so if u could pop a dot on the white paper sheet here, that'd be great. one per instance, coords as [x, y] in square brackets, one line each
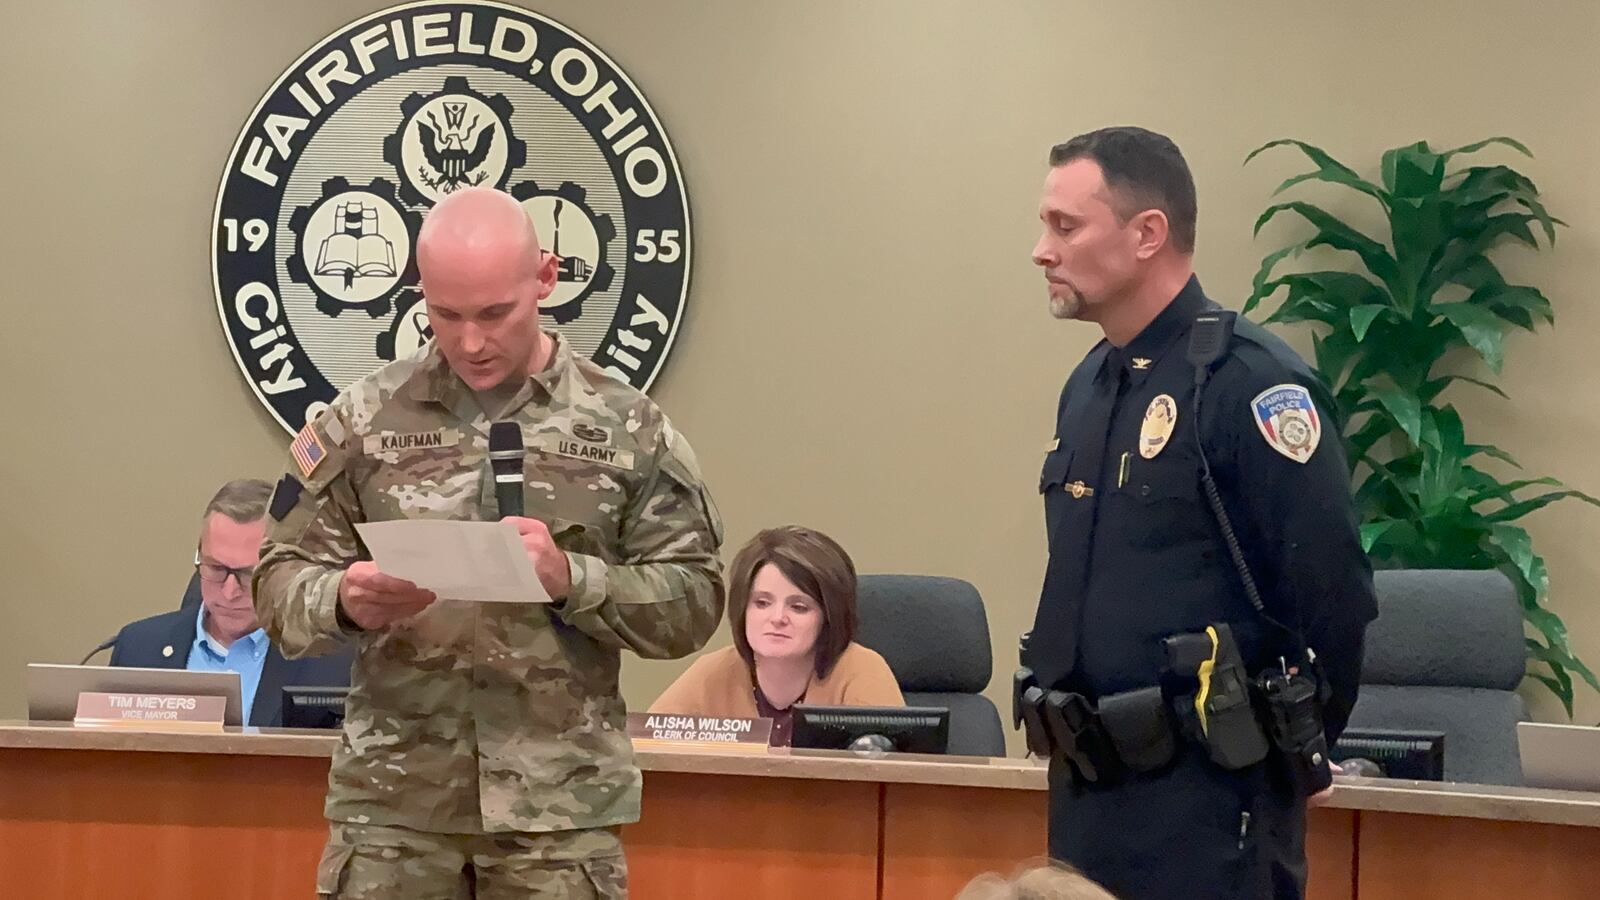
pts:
[482, 561]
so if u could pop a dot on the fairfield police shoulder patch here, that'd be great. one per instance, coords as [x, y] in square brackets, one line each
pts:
[1288, 420]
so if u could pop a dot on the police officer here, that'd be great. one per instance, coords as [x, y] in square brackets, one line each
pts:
[484, 751]
[1166, 780]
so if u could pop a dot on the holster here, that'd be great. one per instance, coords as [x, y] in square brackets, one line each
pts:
[1027, 712]
[1128, 732]
[1136, 723]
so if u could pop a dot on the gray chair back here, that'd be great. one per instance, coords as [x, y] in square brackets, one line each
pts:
[191, 594]
[1446, 654]
[934, 634]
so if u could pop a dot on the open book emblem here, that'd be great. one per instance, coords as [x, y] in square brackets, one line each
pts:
[354, 246]
[356, 249]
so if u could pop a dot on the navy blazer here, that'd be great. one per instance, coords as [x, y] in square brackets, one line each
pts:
[144, 644]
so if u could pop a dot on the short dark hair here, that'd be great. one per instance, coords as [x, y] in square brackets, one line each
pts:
[818, 566]
[1143, 170]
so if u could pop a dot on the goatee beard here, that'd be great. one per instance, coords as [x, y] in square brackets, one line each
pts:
[1066, 306]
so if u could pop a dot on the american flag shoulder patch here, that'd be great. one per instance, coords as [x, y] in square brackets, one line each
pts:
[307, 450]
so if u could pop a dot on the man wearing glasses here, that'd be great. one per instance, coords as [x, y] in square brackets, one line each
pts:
[223, 634]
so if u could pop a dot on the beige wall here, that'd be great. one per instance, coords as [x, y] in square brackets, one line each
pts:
[867, 348]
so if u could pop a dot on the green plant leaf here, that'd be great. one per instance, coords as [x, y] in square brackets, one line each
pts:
[1492, 451]
[1539, 584]
[1516, 297]
[1475, 272]
[1518, 547]
[1430, 430]
[1260, 290]
[1328, 169]
[1546, 221]
[1577, 665]
[1301, 306]
[1361, 318]
[1322, 296]
[1371, 532]
[1333, 354]
[1488, 488]
[1389, 165]
[1555, 657]
[1562, 689]
[1548, 623]
[1474, 148]
[1518, 510]
[1492, 388]
[1441, 467]
[1370, 432]
[1413, 171]
[1405, 408]
[1489, 186]
[1505, 225]
[1384, 482]
[1333, 232]
[1559, 681]
[1480, 327]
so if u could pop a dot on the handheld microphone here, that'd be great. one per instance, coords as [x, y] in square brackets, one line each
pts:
[108, 642]
[506, 457]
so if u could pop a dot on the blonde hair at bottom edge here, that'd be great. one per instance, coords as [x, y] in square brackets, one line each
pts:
[1037, 879]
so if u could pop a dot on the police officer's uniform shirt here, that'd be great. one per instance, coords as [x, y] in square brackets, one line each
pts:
[1154, 563]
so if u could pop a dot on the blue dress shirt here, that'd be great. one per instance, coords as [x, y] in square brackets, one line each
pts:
[246, 656]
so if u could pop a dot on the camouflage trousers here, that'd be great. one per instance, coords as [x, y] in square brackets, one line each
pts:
[368, 862]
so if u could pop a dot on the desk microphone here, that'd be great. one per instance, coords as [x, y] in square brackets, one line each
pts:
[108, 642]
[506, 457]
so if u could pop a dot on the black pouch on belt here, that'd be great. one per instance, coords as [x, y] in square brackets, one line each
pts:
[1137, 724]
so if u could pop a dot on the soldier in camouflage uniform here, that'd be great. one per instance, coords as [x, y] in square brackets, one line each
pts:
[484, 752]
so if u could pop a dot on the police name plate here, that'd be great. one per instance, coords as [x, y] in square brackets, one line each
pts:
[660, 731]
[159, 712]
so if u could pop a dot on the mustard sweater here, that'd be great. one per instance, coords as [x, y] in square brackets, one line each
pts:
[719, 684]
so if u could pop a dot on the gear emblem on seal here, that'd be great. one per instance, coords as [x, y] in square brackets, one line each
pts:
[570, 229]
[410, 328]
[315, 233]
[452, 139]
[353, 247]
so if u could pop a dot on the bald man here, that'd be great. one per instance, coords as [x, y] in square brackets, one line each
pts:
[484, 752]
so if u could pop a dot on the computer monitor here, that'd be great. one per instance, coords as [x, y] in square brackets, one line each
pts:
[1398, 752]
[1559, 756]
[53, 689]
[314, 706]
[908, 729]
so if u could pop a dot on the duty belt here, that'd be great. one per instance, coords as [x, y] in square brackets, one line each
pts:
[1127, 732]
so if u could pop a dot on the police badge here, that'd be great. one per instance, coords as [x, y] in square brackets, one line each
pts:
[1159, 419]
[1288, 420]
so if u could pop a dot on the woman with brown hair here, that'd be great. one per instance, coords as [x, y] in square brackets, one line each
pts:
[792, 610]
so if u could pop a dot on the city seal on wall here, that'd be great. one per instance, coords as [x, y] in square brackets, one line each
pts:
[314, 237]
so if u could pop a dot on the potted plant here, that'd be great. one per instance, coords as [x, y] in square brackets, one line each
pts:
[1384, 333]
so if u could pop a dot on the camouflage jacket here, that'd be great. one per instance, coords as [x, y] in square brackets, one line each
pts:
[492, 717]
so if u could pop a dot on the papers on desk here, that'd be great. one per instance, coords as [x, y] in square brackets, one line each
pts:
[482, 561]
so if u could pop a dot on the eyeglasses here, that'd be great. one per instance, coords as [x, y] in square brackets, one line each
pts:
[218, 574]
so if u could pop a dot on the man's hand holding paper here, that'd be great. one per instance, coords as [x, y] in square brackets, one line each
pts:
[493, 562]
